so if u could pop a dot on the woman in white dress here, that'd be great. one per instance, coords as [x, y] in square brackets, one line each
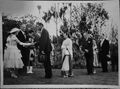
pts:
[12, 55]
[67, 56]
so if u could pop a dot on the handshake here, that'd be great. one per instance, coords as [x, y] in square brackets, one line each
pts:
[29, 44]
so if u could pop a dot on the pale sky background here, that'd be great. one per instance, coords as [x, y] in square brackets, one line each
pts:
[21, 8]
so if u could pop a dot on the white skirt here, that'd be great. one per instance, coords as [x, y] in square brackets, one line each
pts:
[12, 58]
[65, 65]
[95, 61]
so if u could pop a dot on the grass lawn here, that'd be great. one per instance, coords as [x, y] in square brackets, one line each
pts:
[80, 78]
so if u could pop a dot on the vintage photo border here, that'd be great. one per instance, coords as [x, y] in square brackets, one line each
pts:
[54, 86]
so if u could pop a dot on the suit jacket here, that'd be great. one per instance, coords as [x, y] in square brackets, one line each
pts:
[44, 42]
[114, 50]
[104, 48]
[89, 46]
[22, 38]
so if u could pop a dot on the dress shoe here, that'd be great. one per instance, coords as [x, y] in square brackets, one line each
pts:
[65, 76]
[48, 77]
[14, 76]
[105, 71]
[90, 73]
[70, 75]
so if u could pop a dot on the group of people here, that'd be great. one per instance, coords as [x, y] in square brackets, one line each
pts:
[99, 55]
[19, 52]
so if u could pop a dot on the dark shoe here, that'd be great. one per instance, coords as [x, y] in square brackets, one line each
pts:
[90, 73]
[65, 76]
[104, 71]
[48, 77]
[71, 75]
[23, 74]
[94, 72]
[113, 70]
[14, 75]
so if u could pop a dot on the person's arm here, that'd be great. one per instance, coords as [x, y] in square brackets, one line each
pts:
[7, 43]
[70, 48]
[63, 46]
[24, 44]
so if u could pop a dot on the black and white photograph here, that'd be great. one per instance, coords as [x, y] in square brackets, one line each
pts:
[59, 44]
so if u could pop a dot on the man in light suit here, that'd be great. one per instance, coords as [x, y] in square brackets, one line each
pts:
[104, 51]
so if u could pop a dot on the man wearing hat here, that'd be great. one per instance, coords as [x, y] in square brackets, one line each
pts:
[45, 47]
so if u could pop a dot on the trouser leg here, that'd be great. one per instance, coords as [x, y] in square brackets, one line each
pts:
[47, 66]
[104, 63]
[70, 66]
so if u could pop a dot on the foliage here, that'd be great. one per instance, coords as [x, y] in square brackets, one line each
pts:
[84, 17]
[29, 20]
[89, 16]
[8, 24]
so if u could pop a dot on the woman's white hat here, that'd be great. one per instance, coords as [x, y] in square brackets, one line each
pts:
[14, 30]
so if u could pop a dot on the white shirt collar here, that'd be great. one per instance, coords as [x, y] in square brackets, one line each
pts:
[102, 41]
[23, 32]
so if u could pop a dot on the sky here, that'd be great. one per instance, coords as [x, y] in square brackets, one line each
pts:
[21, 8]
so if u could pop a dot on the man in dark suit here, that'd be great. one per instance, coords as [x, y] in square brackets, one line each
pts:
[44, 44]
[114, 54]
[24, 50]
[104, 51]
[88, 49]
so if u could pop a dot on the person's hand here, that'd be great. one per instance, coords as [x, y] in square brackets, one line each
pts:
[27, 45]
[43, 52]
[72, 58]
[38, 34]
[108, 55]
[32, 44]
[86, 50]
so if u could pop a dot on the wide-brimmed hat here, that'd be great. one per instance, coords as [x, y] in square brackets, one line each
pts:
[14, 30]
